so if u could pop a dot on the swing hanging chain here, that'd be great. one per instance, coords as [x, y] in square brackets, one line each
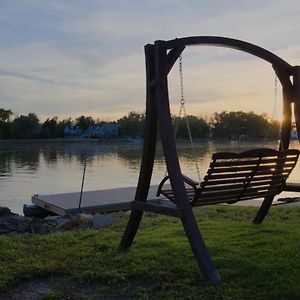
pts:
[84, 169]
[182, 101]
[274, 112]
[192, 143]
[182, 111]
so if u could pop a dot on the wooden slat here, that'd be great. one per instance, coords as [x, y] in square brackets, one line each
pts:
[245, 174]
[256, 153]
[237, 180]
[189, 192]
[237, 193]
[209, 201]
[241, 180]
[249, 168]
[223, 192]
[241, 185]
[235, 162]
[226, 199]
[218, 199]
[265, 193]
[250, 191]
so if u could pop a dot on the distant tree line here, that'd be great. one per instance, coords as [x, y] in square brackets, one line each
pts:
[224, 125]
[239, 124]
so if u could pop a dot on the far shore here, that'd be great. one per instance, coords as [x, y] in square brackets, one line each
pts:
[68, 140]
[134, 140]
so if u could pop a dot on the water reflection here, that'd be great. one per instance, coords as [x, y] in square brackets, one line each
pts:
[29, 156]
[29, 168]
[5, 165]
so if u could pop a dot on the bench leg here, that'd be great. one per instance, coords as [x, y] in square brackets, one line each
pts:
[263, 210]
[131, 229]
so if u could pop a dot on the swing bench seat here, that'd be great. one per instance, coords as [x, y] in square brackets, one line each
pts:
[233, 177]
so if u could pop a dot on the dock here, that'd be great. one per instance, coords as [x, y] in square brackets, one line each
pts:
[118, 199]
[102, 201]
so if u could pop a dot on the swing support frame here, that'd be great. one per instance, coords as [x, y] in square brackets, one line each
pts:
[160, 57]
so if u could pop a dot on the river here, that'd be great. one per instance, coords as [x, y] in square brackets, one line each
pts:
[28, 168]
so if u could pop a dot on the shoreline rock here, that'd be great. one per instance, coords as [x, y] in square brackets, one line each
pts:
[11, 223]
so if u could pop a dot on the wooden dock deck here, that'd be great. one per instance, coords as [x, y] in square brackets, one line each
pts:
[101, 201]
[110, 200]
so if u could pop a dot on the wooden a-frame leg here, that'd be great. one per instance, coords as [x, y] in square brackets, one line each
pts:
[148, 153]
[131, 229]
[194, 236]
[263, 210]
[169, 148]
[198, 247]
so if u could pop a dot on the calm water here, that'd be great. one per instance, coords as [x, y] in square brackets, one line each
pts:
[47, 168]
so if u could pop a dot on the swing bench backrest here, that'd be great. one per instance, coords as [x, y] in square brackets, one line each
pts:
[233, 177]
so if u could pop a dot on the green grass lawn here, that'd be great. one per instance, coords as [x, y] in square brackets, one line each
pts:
[255, 261]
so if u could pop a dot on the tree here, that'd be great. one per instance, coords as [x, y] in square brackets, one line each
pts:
[233, 125]
[25, 127]
[5, 115]
[5, 124]
[84, 122]
[229, 124]
[50, 128]
[60, 129]
[132, 124]
[198, 126]
[273, 129]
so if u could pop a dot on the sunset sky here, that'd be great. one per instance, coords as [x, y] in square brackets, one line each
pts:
[68, 58]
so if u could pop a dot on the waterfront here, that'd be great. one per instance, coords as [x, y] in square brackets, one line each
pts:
[49, 167]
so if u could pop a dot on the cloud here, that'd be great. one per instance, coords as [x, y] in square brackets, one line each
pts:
[86, 57]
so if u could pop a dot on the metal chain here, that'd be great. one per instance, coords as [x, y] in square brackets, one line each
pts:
[183, 110]
[182, 101]
[274, 112]
[84, 168]
[192, 143]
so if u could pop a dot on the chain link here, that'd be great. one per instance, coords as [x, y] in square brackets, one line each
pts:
[182, 101]
[274, 112]
[182, 114]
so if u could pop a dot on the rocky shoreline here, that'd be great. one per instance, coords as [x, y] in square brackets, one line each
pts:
[12, 223]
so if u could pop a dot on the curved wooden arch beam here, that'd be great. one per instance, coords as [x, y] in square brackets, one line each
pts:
[233, 44]
[296, 81]
[282, 68]
[287, 98]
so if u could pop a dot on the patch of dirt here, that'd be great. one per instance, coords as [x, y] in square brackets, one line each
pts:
[47, 288]
[29, 290]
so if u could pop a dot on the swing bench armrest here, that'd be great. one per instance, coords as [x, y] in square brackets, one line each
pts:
[194, 184]
[190, 181]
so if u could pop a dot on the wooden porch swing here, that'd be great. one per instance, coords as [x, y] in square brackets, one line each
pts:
[232, 177]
